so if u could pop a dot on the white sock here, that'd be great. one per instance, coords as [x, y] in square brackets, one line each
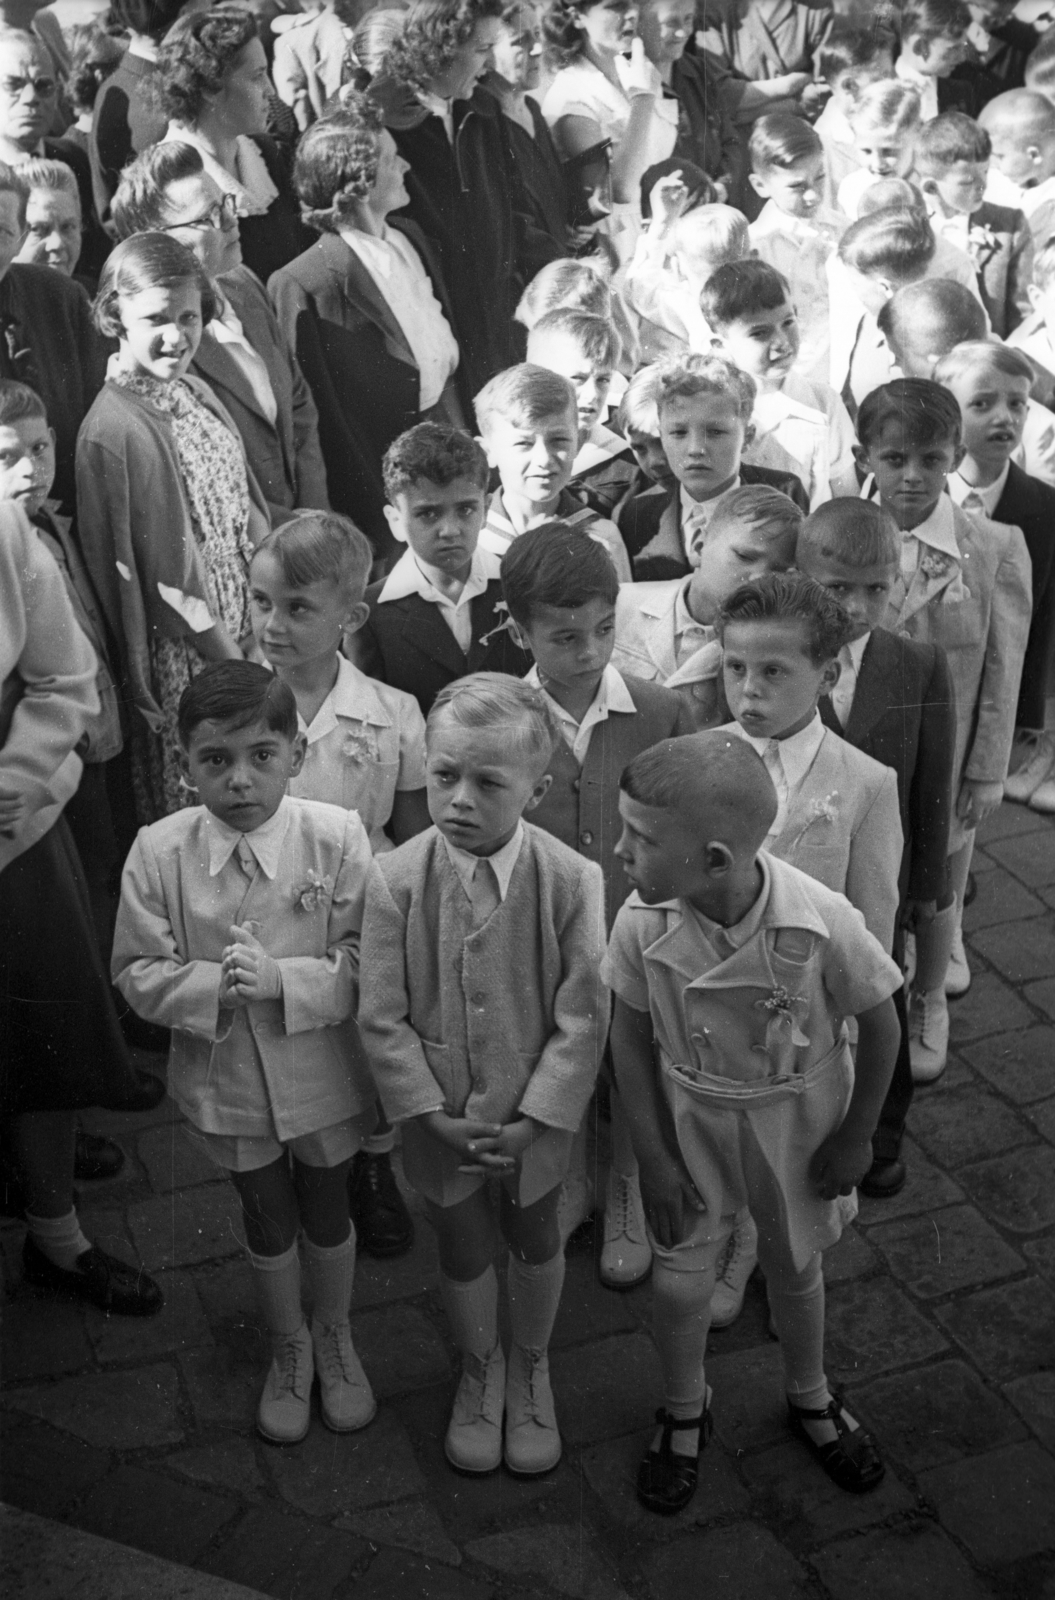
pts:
[797, 1303]
[331, 1271]
[534, 1296]
[472, 1310]
[681, 1320]
[59, 1238]
[277, 1280]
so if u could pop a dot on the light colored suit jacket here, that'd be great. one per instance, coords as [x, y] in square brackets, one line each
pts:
[309, 62]
[645, 648]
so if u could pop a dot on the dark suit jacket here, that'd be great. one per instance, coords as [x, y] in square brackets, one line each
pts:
[654, 543]
[278, 236]
[359, 367]
[407, 644]
[581, 806]
[285, 455]
[968, 93]
[903, 716]
[1029, 504]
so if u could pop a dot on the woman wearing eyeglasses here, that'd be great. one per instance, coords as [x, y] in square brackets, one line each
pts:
[244, 356]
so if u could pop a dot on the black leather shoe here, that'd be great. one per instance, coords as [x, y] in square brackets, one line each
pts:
[382, 1221]
[100, 1278]
[883, 1180]
[148, 1092]
[666, 1482]
[852, 1459]
[96, 1157]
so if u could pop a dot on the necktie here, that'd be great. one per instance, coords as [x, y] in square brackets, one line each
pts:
[246, 858]
[974, 504]
[483, 892]
[843, 693]
[775, 768]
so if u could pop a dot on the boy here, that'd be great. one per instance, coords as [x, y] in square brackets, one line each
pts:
[933, 43]
[674, 258]
[991, 386]
[561, 592]
[837, 814]
[1034, 335]
[749, 306]
[952, 159]
[849, 60]
[485, 1022]
[704, 408]
[910, 434]
[239, 930]
[437, 615]
[639, 423]
[1021, 126]
[886, 123]
[585, 350]
[528, 426]
[664, 632]
[696, 1065]
[893, 701]
[877, 256]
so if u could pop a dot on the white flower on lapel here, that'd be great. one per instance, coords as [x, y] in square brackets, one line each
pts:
[935, 563]
[359, 745]
[315, 893]
[818, 810]
[783, 1034]
[982, 243]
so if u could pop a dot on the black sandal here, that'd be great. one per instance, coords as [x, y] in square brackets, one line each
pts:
[666, 1482]
[852, 1460]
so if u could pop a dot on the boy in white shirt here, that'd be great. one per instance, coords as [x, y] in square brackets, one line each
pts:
[849, 60]
[1021, 126]
[933, 42]
[675, 256]
[886, 122]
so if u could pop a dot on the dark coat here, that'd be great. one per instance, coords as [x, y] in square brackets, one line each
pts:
[1029, 504]
[903, 716]
[707, 134]
[278, 236]
[124, 122]
[541, 174]
[654, 543]
[358, 365]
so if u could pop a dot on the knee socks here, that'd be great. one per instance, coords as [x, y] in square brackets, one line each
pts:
[796, 1300]
[534, 1296]
[472, 1310]
[681, 1320]
[331, 1270]
[277, 1280]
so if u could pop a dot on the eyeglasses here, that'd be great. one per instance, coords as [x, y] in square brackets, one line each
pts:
[219, 215]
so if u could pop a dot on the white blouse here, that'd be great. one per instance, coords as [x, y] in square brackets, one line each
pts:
[400, 276]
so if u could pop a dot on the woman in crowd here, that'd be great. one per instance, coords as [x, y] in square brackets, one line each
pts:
[707, 135]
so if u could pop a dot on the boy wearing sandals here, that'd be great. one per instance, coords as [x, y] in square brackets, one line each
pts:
[734, 975]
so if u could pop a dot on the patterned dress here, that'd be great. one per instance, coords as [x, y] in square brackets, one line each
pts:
[217, 492]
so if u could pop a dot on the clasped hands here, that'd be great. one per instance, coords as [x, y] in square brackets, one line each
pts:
[487, 1147]
[247, 972]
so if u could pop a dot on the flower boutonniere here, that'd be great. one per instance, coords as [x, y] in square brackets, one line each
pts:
[785, 1009]
[315, 892]
[359, 745]
[818, 811]
[982, 242]
[935, 564]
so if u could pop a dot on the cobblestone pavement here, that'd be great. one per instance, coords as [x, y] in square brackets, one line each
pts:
[941, 1326]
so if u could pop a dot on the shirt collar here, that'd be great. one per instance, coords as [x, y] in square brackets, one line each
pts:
[265, 842]
[797, 753]
[938, 530]
[684, 621]
[503, 861]
[407, 577]
[353, 696]
[959, 489]
[612, 695]
[857, 648]
[740, 932]
[599, 446]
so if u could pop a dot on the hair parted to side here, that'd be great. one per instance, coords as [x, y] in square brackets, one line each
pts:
[788, 597]
[147, 261]
[899, 245]
[639, 407]
[926, 412]
[771, 515]
[741, 289]
[986, 355]
[852, 532]
[433, 33]
[435, 452]
[781, 140]
[934, 19]
[595, 336]
[848, 48]
[336, 161]
[195, 57]
[237, 693]
[139, 204]
[374, 36]
[1044, 264]
[564, 285]
[888, 106]
[19, 403]
[892, 194]
[714, 782]
[12, 182]
[321, 547]
[54, 176]
[947, 139]
[508, 705]
[525, 395]
[716, 231]
[556, 565]
[685, 377]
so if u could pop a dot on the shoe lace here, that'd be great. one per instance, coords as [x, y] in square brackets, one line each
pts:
[291, 1367]
[533, 1361]
[472, 1392]
[737, 1249]
[333, 1353]
[622, 1210]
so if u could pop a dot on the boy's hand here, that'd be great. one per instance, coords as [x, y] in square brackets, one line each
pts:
[475, 1142]
[670, 1199]
[668, 199]
[12, 810]
[251, 973]
[514, 1141]
[840, 1163]
[976, 800]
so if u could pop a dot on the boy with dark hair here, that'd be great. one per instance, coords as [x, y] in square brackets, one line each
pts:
[437, 616]
[933, 43]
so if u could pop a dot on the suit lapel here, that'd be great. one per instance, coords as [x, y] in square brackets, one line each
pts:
[423, 629]
[872, 690]
[220, 370]
[358, 289]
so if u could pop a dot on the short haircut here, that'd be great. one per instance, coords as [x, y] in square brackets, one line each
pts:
[196, 55]
[94, 55]
[596, 337]
[507, 704]
[321, 547]
[848, 47]
[853, 532]
[19, 403]
[949, 138]
[1040, 68]
[892, 194]
[436, 452]
[147, 261]
[1025, 114]
[719, 231]
[139, 204]
[556, 565]
[54, 176]
[789, 597]
[639, 407]
[684, 377]
[1044, 264]
[897, 244]
[336, 161]
[713, 781]
[888, 106]
[12, 182]
[700, 187]
[741, 289]
[524, 395]
[780, 139]
[928, 413]
[932, 316]
[987, 354]
[934, 19]
[238, 693]
[564, 285]
[775, 516]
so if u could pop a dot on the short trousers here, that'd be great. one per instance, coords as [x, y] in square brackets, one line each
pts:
[325, 1147]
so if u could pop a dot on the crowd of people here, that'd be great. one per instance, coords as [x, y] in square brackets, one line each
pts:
[526, 555]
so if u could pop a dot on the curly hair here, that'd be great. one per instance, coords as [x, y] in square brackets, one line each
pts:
[93, 57]
[562, 34]
[196, 56]
[336, 161]
[435, 31]
[145, 262]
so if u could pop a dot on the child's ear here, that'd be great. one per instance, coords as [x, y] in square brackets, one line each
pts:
[830, 676]
[356, 617]
[53, 437]
[861, 456]
[758, 184]
[928, 186]
[920, 48]
[749, 434]
[960, 452]
[539, 792]
[1035, 296]
[394, 518]
[300, 750]
[184, 767]
[719, 858]
[518, 636]
[486, 448]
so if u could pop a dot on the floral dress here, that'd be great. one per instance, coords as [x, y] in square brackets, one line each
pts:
[217, 490]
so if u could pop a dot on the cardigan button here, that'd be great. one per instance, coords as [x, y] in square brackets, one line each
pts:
[576, 784]
[478, 997]
[586, 838]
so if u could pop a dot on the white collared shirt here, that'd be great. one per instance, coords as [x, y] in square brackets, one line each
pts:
[955, 229]
[787, 762]
[227, 330]
[405, 286]
[724, 940]
[925, 86]
[265, 842]
[410, 576]
[961, 490]
[503, 861]
[1001, 191]
[1040, 194]
[937, 531]
[612, 695]
[823, 224]
[689, 635]
[850, 658]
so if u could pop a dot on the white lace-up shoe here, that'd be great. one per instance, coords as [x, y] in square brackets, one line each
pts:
[284, 1411]
[533, 1442]
[626, 1255]
[958, 973]
[347, 1398]
[735, 1266]
[928, 1034]
[474, 1433]
[1023, 783]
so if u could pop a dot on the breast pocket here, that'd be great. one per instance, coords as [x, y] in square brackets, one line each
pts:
[369, 788]
[792, 954]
